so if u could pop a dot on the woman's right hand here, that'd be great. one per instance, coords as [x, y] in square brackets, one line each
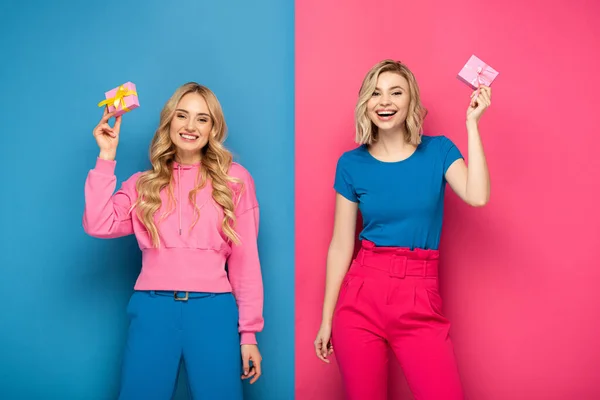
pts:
[323, 345]
[106, 136]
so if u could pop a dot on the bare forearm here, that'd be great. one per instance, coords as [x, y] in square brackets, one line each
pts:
[338, 261]
[478, 179]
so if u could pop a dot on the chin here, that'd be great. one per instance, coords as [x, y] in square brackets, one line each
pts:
[386, 126]
[191, 146]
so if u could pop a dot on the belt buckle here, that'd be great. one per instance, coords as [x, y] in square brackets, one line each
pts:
[398, 266]
[187, 296]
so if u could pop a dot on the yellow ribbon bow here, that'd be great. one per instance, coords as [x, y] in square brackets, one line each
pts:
[119, 98]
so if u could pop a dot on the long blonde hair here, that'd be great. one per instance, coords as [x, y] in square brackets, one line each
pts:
[366, 130]
[215, 163]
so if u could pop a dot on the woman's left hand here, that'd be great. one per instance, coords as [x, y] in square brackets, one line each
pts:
[479, 104]
[250, 353]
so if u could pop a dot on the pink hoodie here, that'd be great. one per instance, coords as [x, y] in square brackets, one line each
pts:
[192, 261]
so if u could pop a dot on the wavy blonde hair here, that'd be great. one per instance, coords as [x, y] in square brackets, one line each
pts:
[215, 163]
[366, 130]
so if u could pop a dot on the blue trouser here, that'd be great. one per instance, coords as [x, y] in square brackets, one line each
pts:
[202, 329]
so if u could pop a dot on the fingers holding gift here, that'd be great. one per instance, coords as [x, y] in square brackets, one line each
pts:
[482, 97]
[485, 97]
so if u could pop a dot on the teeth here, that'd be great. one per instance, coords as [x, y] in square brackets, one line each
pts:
[189, 137]
[386, 113]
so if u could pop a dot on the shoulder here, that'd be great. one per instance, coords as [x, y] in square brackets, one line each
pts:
[438, 142]
[243, 190]
[136, 176]
[244, 182]
[238, 171]
[351, 157]
[442, 148]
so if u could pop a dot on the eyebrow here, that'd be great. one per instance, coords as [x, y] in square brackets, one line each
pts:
[184, 111]
[392, 88]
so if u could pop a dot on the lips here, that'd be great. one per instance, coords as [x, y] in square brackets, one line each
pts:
[385, 115]
[188, 136]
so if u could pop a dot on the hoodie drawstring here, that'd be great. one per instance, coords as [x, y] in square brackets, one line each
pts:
[179, 199]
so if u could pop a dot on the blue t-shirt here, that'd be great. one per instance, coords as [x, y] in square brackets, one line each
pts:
[401, 203]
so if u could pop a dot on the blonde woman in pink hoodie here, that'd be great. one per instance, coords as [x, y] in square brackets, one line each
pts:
[192, 213]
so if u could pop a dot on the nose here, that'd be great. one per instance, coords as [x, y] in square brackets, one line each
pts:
[385, 100]
[190, 127]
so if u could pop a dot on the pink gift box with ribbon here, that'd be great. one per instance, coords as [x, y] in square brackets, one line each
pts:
[121, 99]
[476, 73]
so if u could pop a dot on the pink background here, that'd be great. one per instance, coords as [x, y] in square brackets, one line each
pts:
[520, 276]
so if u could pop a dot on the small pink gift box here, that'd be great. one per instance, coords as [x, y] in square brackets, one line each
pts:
[121, 99]
[476, 73]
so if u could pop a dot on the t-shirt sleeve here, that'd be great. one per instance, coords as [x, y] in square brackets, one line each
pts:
[450, 152]
[343, 182]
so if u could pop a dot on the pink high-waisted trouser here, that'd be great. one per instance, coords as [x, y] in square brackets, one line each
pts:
[389, 299]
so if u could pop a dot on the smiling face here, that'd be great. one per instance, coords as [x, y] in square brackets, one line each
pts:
[388, 106]
[190, 127]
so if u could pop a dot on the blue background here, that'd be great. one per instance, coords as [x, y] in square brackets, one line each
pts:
[64, 294]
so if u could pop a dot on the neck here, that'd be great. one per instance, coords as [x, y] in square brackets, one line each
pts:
[188, 158]
[392, 141]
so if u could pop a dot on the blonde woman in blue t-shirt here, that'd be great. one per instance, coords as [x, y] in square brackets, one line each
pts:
[389, 297]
